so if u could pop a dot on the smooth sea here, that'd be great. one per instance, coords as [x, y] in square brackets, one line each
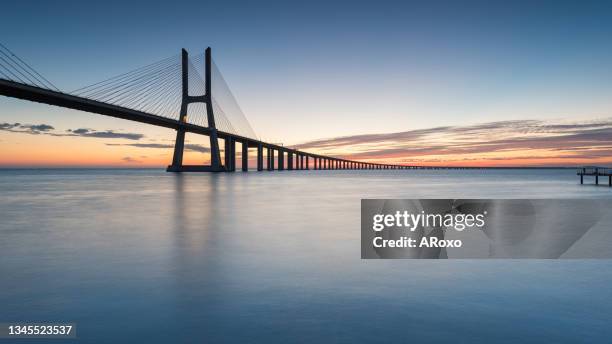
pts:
[145, 256]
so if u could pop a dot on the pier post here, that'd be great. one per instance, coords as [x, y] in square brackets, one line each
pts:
[581, 178]
[596, 178]
[307, 162]
[245, 156]
[259, 157]
[289, 160]
[270, 159]
[281, 160]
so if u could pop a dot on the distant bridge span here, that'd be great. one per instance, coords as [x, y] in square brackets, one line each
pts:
[295, 159]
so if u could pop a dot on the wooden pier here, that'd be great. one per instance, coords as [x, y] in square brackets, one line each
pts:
[596, 172]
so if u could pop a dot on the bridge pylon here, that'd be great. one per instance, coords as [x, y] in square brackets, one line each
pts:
[179, 146]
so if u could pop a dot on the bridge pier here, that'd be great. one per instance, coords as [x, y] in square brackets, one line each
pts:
[307, 162]
[281, 160]
[290, 160]
[245, 156]
[270, 159]
[259, 157]
[230, 155]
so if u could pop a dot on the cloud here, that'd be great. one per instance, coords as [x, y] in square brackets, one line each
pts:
[46, 129]
[494, 141]
[39, 127]
[189, 147]
[130, 159]
[108, 134]
[26, 128]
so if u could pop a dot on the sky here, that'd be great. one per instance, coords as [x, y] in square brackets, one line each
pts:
[487, 83]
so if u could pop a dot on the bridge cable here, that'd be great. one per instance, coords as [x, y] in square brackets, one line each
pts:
[25, 67]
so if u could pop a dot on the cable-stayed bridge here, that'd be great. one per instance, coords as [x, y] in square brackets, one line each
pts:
[183, 93]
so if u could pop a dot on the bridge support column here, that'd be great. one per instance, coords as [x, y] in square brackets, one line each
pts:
[270, 159]
[245, 157]
[281, 160]
[307, 162]
[230, 154]
[259, 157]
[290, 160]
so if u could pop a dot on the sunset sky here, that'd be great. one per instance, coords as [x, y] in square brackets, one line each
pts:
[423, 83]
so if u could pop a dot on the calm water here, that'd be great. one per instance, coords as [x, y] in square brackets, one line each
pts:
[146, 256]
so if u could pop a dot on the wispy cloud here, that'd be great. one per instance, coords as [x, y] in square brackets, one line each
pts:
[26, 128]
[107, 134]
[131, 160]
[46, 129]
[520, 142]
[190, 147]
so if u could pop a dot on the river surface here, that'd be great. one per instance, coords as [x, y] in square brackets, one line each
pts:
[146, 256]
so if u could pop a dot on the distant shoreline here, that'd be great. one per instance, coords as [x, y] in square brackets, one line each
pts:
[417, 168]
